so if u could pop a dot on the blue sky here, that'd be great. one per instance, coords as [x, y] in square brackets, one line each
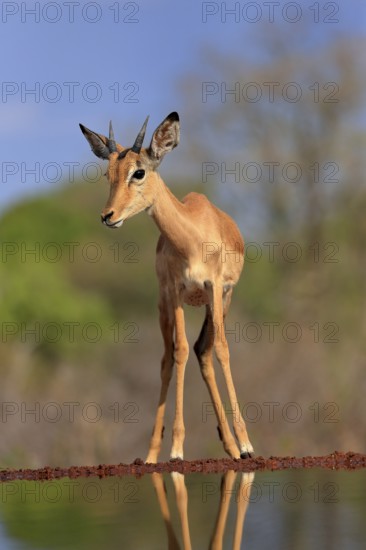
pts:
[119, 60]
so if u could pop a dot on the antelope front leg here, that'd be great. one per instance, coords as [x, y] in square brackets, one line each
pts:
[181, 351]
[167, 329]
[223, 356]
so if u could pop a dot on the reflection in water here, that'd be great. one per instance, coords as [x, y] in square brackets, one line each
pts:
[290, 509]
[181, 497]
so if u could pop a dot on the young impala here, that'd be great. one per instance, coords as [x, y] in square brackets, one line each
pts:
[199, 259]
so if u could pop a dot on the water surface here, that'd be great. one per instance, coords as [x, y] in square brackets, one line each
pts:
[292, 509]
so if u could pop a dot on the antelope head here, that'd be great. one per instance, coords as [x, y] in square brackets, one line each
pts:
[132, 171]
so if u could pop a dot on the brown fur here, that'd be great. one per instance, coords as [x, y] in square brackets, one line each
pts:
[200, 256]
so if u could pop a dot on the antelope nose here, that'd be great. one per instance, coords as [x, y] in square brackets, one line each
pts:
[106, 217]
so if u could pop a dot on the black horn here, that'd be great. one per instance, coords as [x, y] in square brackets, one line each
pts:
[111, 141]
[136, 147]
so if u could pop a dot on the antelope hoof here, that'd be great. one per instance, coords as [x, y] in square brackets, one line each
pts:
[246, 455]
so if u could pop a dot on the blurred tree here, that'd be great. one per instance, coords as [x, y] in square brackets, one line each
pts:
[281, 131]
[298, 107]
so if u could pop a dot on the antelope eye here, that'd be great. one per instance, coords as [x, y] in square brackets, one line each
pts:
[139, 174]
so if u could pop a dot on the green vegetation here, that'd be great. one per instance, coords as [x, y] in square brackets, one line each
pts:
[80, 325]
[60, 266]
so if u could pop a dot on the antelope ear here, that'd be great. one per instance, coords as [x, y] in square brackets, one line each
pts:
[165, 138]
[97, 142]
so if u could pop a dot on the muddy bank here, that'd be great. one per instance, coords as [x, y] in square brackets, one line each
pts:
[333, 461]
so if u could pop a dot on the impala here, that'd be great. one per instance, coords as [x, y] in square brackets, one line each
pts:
[190, 267]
